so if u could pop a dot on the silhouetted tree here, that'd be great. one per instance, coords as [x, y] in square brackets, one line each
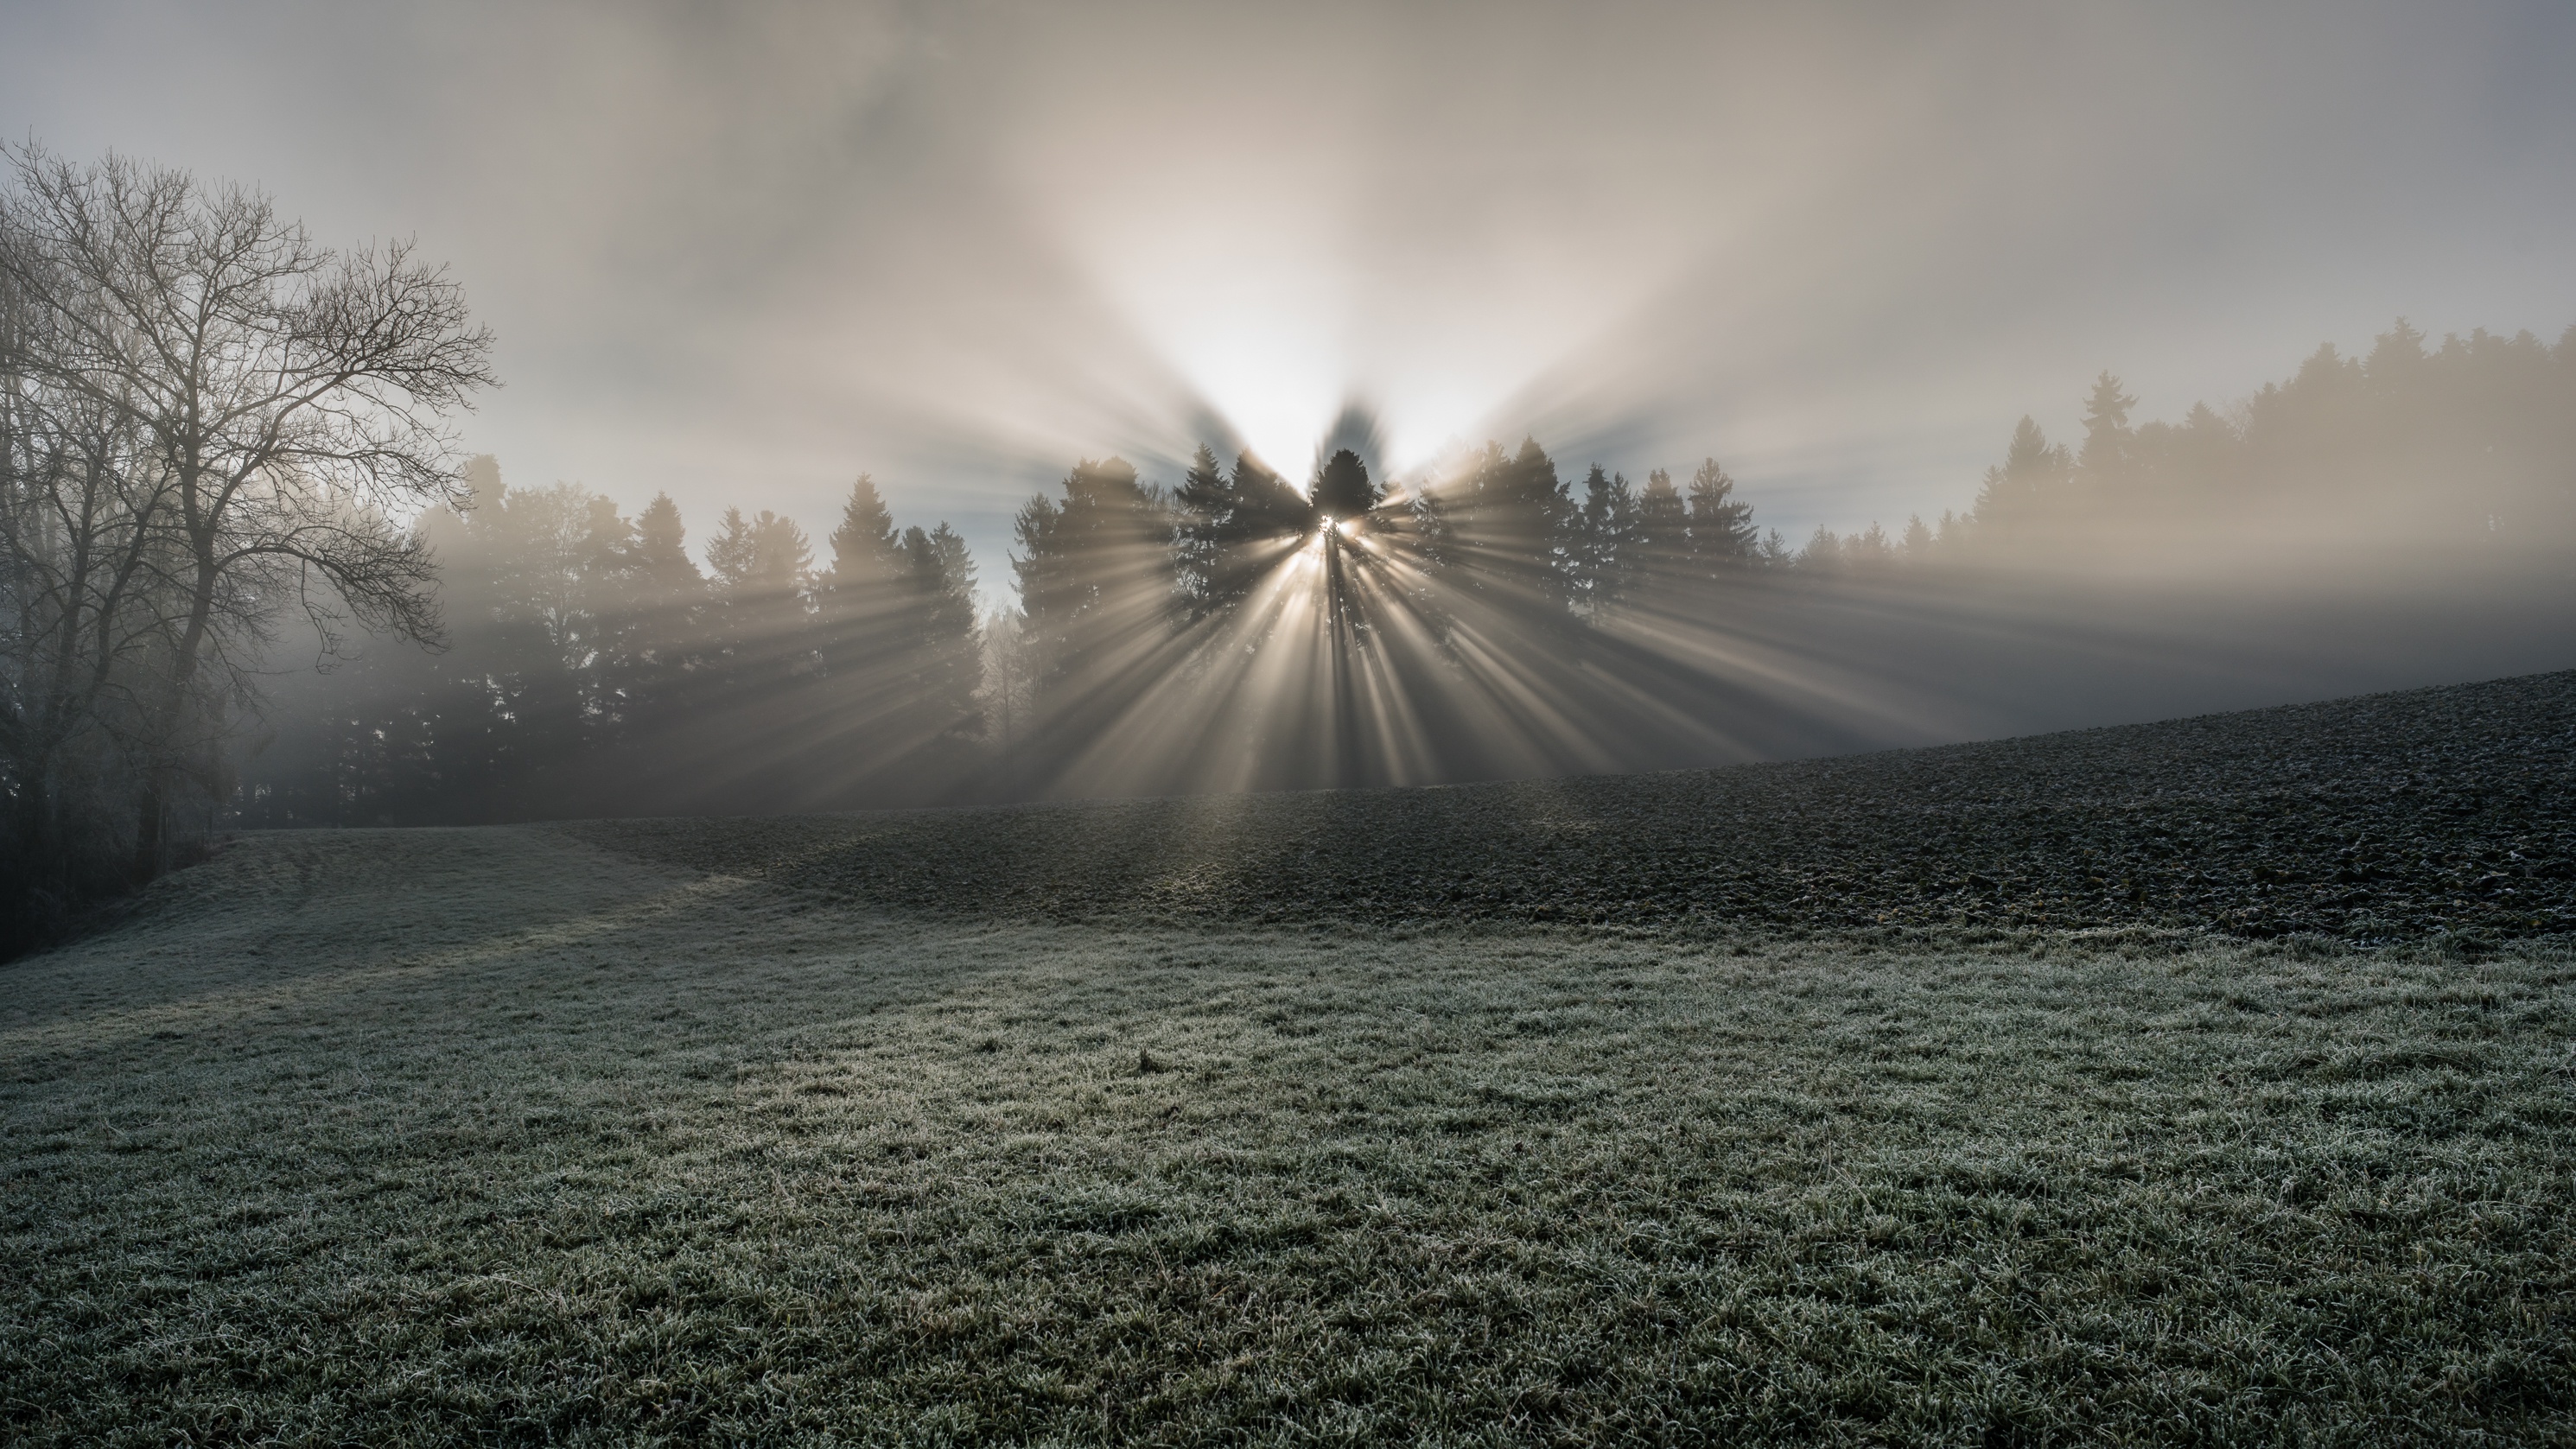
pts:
[1095, 573]
[278, 407]
[2106, 428]
[1227, 532]
[943, 645]
[658, 628]
[2025, 486]
[764, 650]
[1721, 525]
[1204, 535]
[1606, 560]
[1512, 531]
[1869, 549]
[861, 602]
[1823, 553]
[1917, 545]
[1661, 534]
[1342, 487]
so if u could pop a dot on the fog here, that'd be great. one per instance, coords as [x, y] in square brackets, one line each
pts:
[743, 255]
[1240, 399]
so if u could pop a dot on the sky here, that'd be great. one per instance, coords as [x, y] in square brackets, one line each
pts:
[744, 253]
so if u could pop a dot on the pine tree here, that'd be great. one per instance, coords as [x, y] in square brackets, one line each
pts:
[943, 646]
[2106, 428]
[865, 549]
[1606, 561]
[2017, 493]
[763, 571]
[1204, 536]
[1514, 531]
[860, 601]
[1722, 533]
[1342, 490]
[1661, 533]
[1918, 539]
[1095, 574]
[1823, 553]
[1870, 548]
[662, 632]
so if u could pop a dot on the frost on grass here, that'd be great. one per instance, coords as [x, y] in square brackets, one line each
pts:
[415, 1136]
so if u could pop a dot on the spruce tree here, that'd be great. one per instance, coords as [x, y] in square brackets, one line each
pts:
[860, 601]
[1661, 533]
[2017, 493]
[943, 645]
[1205, 529]
[2106, 429]
[1721, 525]
[1342, 490]
[1606, 561]
[1514, 531]
[659, 628]
[763, 578]
[1095, 573]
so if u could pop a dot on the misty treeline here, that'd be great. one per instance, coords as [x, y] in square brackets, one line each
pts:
[1239, 629]
[590, 665]
[249, 577]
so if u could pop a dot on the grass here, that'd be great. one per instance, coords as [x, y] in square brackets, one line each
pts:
[492, 1136]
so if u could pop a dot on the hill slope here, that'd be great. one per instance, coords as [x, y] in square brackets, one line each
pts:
[489, 1136]
[2385, 817]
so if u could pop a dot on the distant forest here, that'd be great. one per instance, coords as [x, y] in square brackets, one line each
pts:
[248, 578]
[2369, 521]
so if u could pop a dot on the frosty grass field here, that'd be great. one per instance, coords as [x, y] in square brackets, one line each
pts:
[502, 1136]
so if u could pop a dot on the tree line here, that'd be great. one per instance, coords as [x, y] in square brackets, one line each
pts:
[590, 665]
[1240, 629]
[249, 578]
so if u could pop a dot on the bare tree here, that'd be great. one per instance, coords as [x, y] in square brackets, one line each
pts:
[268, 413]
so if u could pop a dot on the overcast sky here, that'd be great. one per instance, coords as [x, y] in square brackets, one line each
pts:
[743, 253]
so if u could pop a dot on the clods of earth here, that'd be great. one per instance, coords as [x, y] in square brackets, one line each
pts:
[2430, 813]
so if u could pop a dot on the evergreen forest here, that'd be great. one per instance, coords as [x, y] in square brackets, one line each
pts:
[2371, 519]
[249, 578]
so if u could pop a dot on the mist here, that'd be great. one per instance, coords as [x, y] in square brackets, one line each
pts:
[743, 259]
[1206, 723]
[1161, 267]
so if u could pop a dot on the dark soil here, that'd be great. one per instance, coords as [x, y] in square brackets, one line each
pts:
[2432, 812]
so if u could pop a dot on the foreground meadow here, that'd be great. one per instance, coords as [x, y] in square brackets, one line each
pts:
[429, 1136]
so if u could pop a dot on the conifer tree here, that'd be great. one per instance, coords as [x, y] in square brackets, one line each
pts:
[1917, 545]
[2106, 428]
[1514, 530]
[942, 642]
[661, 629]
[1661, 533]
[1095, 573]
[2016, 493]
[1823, 553]
[1606, 560]
[1342, 488]
[1205, 535]
[763, 571]
[1721, 525]
[861, 601]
